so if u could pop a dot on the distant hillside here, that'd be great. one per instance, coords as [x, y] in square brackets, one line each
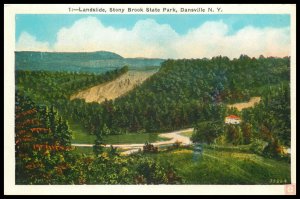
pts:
[66, 56]
[96, 62]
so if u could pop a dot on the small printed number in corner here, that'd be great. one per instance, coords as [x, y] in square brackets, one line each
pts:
[278, 181]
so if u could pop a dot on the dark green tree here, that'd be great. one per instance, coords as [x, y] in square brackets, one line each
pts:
[98, 147]
[206, 132]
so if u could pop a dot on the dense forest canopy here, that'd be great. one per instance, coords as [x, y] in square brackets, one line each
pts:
[186, 91]
[180, 94]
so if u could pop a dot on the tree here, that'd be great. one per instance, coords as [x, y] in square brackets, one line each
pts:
[105, 130]
[247, 132]
[206, 132]
[39, 156]
[234, 134]
[63, 133]
[98, 147]
[52, 122]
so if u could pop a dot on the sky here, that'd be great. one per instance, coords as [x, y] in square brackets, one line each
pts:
[156, 36]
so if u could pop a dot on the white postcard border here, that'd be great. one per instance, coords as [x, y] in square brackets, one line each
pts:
[9, 87]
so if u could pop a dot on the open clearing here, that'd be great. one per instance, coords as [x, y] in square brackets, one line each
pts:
[241, 106]
[113, 89]
[128, 143]
[173, 137]
[221, 167]
[81, 136]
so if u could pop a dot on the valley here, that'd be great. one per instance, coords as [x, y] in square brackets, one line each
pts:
[152, 121]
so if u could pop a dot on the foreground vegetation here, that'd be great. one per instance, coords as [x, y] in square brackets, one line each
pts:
[44, 155]
[226, 167]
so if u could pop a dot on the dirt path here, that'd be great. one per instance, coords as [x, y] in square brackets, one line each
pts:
[241, 106]
[131, 148]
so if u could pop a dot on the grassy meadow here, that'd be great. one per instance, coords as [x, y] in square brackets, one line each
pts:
[221, 167]
[80, 136]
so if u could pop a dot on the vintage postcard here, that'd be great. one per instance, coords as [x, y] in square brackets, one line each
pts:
[150, 99]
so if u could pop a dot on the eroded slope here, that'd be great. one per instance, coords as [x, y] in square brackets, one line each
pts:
[113, 89]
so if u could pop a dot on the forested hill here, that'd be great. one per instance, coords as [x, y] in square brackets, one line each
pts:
[186, 91]
[65, 56]
[96, 62]
[183, 93]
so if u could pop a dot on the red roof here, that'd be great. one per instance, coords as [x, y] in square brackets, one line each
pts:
[233, 117]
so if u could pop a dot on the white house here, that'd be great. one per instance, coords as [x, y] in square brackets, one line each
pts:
[232, 119]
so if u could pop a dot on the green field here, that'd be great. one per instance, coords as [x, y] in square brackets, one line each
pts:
[133, 138]
[219, 167]
[187, 134]
[80, 136]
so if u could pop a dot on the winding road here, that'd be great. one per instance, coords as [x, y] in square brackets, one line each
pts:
[174, 136]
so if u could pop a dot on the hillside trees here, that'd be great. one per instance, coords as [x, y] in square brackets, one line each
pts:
[266, 124]
[271, 120]
[186, 91]
[181, 94]
[54, 89]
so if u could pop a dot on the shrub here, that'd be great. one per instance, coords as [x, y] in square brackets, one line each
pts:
[258, 146]
[149, 148]
[150, 171]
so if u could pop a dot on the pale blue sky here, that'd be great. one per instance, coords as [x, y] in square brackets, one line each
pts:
[164, 36]
[45, 26]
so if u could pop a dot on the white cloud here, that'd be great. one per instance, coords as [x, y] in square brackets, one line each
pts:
[27, 42]
[212, 39]
[149, 39]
